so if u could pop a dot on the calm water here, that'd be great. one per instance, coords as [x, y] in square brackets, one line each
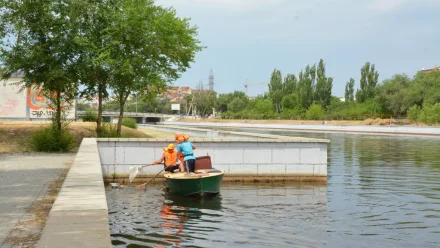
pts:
[382, 191]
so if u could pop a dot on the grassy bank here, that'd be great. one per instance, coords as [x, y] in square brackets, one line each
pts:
[15, 135]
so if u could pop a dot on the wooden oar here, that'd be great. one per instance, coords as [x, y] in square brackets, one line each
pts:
[153, 178]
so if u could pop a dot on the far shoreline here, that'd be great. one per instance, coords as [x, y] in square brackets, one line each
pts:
[314, 126]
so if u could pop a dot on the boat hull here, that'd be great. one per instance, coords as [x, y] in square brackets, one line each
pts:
[195, 185]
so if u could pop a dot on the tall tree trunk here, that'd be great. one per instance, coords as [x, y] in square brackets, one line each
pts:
[121, 114]
[58, 111]
[99, 120]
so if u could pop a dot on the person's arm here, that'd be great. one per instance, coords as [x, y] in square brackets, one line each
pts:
[193, 146]
[160, 160]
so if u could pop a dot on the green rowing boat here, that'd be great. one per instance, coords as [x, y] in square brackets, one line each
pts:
[205, 180]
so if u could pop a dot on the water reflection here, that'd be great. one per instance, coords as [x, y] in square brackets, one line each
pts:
[249, 215]
[382, 191]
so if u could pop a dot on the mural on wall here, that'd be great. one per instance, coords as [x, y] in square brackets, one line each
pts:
[12, 102]
[29, 103]
[41, 107]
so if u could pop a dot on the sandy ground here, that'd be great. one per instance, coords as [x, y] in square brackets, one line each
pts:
[15, 135]
[157, 133]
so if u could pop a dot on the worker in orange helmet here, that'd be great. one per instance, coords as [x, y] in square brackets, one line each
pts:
[187, 149]
[179, 140]
[177, 135]
[169, 158]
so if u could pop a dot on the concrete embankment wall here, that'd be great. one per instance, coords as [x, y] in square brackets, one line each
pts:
[404, 130]
[79, 216]
[291, 159]
[207, 133]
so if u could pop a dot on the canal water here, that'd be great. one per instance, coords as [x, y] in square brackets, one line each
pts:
[382, 191]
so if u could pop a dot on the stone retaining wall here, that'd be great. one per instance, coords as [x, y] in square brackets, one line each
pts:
[276, 157]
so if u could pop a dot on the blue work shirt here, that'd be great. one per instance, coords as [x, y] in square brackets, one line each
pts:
[186, 148]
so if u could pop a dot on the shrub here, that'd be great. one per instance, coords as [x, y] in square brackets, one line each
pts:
[315, 112]
[49, 139]
[109, 130]
[430, 114]
[91, 116]
[414, 113]
[129, 122]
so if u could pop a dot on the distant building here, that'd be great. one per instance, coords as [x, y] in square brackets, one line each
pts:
[177, 94]
[437, 68]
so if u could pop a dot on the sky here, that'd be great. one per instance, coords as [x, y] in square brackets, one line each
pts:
[248, 39]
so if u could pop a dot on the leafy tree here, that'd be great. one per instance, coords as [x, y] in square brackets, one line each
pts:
[349, 91]
[425, 88]
[204, 100]
[315, 112]
[221, 103]
[264, 108]
[369, 79]
[276, 89]
[147, 47]
[94, 18]
[430, 114]
[414, 113]
[237, 104]
[324, 85]
[306, 86]
[290, 83]
[393, 94]
[83, 107]
[223, 100]
[290, 101]
[44, 50]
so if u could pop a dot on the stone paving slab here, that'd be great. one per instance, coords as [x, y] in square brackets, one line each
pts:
[76, 229]
[23, 179]
[79, 216]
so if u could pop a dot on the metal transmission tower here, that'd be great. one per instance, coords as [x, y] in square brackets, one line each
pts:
[211, 81]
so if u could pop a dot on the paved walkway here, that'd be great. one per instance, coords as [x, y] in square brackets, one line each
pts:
[22, 180]
[79, 216]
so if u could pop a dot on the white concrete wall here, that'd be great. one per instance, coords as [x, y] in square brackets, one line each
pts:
[12, 102]
[422, 130]
[257, 157]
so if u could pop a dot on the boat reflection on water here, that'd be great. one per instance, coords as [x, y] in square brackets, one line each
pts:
[211, 201]
[241, 215]
[177, 210]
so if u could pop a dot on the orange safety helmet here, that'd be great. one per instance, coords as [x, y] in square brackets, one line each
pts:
[186, 137]
[170, 147]
[178, 135]
[180, 139]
